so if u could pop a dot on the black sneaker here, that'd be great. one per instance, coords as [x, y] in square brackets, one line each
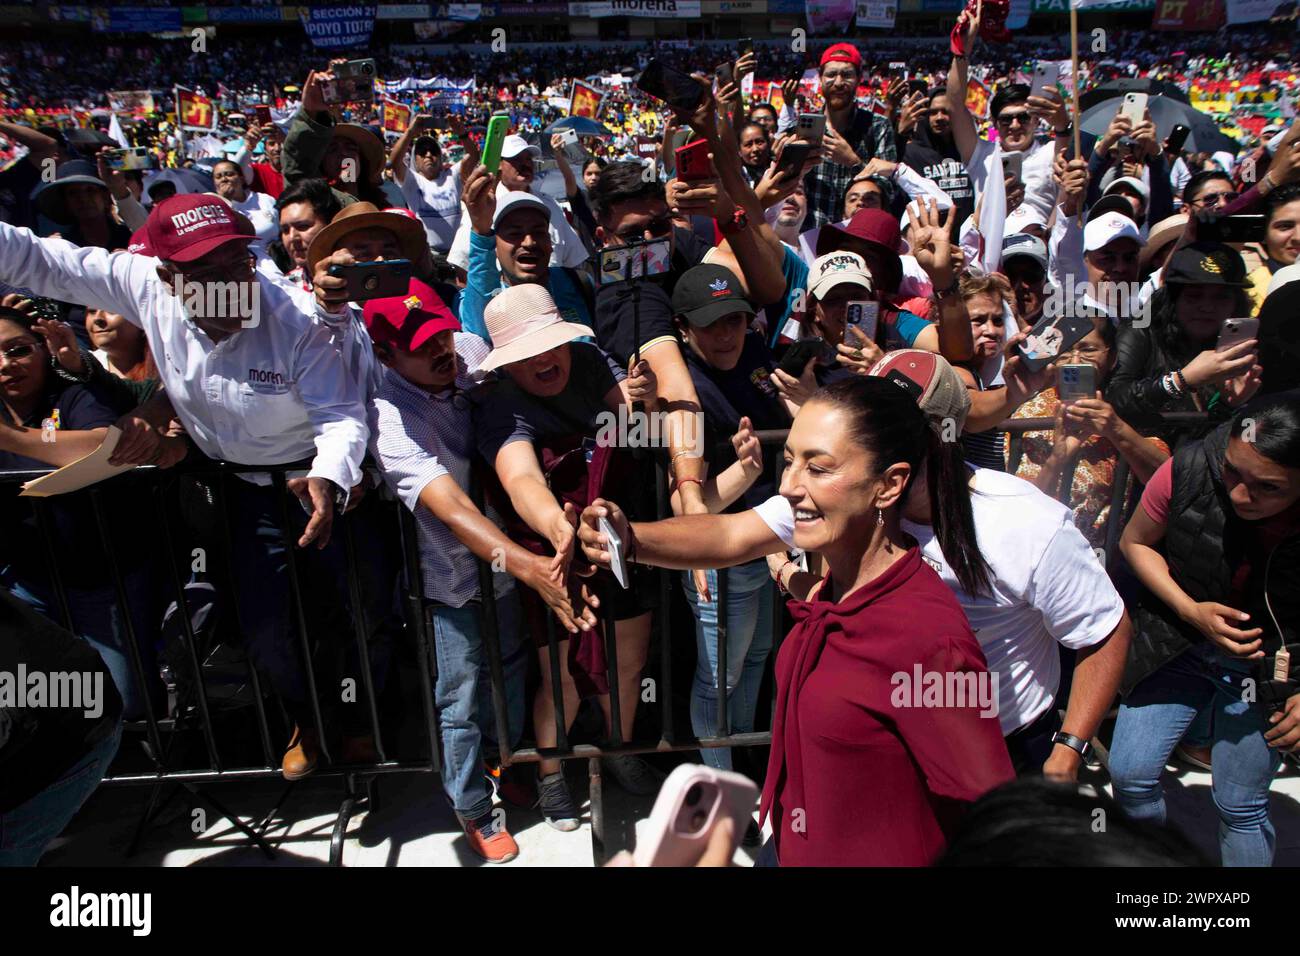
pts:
[633, 774]
[556, 802]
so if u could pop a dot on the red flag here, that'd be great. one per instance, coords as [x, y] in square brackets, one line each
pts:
[585, 100]
[194, 111]
[397, 116]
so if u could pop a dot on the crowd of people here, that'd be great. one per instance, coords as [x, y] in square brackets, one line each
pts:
[894, 287]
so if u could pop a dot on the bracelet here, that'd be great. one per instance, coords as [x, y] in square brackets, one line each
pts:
[948, 293]
[781, 585]
[678, 482]
[630, 553]
[1181, 381]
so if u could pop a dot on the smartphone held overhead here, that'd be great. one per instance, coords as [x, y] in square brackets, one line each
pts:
[679, 90]
[353, 82]
[374, 280]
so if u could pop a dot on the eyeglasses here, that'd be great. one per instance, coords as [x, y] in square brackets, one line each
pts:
[20, 351]
[1215, 199]
[1021, 119]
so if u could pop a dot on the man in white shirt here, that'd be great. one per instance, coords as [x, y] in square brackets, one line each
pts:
[252, 380]
[1046, 585]
[517, 174]
[430, 186]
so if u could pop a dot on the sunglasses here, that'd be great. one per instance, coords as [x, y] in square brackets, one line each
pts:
[1007, 119]
[658, 228]
[21, 351]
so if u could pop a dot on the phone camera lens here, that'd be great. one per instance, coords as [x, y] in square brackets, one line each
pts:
[367, 69]
[697, 820]
[372, 283]
[693, 795]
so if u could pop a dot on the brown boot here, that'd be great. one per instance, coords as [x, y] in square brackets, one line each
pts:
[358, 749]
[304, 750]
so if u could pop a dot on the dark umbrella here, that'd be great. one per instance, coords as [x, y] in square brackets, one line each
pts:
[1166, 113]
[195, 180]
[583, 125]
[1113, 88]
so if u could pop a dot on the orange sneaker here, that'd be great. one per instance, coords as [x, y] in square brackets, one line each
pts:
[489, 838]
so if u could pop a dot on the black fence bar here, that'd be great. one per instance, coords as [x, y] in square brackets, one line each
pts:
[611, 675]
[418, 619]
[492, 644]
[557, 685]
[361, 627]
[42, 509]
[663, 624]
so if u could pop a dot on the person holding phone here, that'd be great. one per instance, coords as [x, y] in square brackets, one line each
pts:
[932, 151]
[1281, 245]
[1215, 545]
[1172, 363]
[431, 186]
[852, 138]
[347, 156]
[537, 426]
[1075, 462]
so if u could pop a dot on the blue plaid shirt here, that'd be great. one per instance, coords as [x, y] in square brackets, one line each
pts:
[872, 137]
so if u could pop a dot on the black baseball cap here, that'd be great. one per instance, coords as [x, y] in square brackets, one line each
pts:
[707, 293]
[426, 144]
[1206, 263]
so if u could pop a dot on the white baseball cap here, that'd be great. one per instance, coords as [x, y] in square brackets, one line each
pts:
[1106, 228]
[515, 200]
[837, 268]
[1022, 217]
[1133, 183]
[514, 144]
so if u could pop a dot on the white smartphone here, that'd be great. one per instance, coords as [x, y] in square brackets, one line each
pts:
[1045, 73]
[811, 127]
[1235, 331]
[1013, 164]
[691, 803]
[864, 314]
[1134, 107]
[616, 563]
[570, 146]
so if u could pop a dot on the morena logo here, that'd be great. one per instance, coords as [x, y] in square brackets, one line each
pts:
[212, 211]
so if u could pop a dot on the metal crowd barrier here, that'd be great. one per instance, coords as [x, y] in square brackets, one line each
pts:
[160, 733]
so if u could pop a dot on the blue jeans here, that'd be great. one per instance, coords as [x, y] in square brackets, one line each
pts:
[29, 828]
[97, 620]
[463, 695]
[1152, 721]
[749, 641]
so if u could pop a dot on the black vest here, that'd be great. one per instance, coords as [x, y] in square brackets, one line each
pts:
[1204, 542]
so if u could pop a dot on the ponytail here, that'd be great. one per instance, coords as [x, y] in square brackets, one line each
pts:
[948, 483]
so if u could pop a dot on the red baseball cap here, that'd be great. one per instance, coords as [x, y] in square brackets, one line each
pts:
[408, 321]
[873, 226]
[186, 227]
[842, 53]
[139, 244]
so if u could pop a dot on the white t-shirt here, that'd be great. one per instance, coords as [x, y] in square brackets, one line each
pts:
[436, 202]
[1035, 173]
[1048, 587]
[261, 212]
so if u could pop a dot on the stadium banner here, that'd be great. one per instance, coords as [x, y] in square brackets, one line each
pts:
[1063, 6]
[130, 101]
[1250, 11]
[785, 6]
[70, 14]
[433, 29]
[674, 9]
[445, 84]
[195, 112]
[461, 12]
[585, 100]
[337, 28]
[397, 116]
[942, 6]
[532, 9]
[403, 11]
[238, 14]
[136, 20]
[829, 16]
[710, 7]
[879, 14]
[1188, 15]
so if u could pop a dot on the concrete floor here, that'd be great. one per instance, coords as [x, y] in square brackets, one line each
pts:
[413, 826]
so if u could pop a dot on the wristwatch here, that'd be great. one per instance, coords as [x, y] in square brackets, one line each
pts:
[1074, 743]
[739, 222]
[1068, 131]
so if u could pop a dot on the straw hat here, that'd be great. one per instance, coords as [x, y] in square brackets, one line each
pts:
[523, 321]
[363, 215]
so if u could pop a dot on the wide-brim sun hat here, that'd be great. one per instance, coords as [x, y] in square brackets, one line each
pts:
[363, 215]
[523, 321]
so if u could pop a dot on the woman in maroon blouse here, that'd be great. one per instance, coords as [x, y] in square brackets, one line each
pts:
[868, 768]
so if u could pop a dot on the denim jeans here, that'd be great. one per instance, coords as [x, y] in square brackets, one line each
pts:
[29, 828]
[1153, 719]
[260, 570]
[749, 641]
[97, 620]
[463, 695]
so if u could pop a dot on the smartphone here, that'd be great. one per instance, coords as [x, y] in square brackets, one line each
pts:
[1074, 382]
[137, 157]
[917, 86]
[811, 127]
[798, 72]
[1045, 74]
[1051, 338]
[1012, 165]
[724, 73]
[1244, 228]
[375, 280]
[793, 156]
[616, 563]
[692, 801]
[798, 354]
[693, 161]
[674, 87]
[635, 260]
[1177, 137]
[1235, 331]
[354, 81]
[263, 114]
[495, 136]
[745, 45]
[863, 314]
[1134, 107]
[570, 146]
